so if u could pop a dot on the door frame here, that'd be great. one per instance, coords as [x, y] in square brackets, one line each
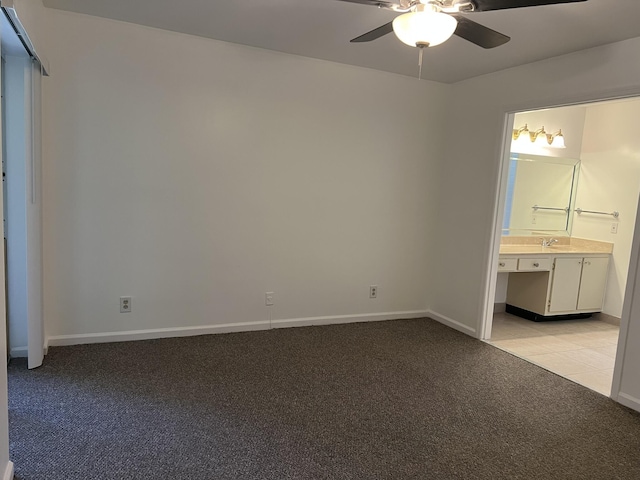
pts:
[500, 192]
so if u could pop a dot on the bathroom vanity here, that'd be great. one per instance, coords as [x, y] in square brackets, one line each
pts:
[552, 275]
[566, 280]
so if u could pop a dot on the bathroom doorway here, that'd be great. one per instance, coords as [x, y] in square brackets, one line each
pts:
[603, 210]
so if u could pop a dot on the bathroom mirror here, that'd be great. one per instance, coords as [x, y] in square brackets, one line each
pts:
[540, 195]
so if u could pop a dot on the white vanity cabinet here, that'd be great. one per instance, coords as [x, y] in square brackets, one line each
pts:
[553, 285]
[578, 284]
[565, 285]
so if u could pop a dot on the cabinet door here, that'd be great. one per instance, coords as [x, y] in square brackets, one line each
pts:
[565, 285]
[594, 281]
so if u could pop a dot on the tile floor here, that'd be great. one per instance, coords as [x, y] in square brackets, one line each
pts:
[581, 350]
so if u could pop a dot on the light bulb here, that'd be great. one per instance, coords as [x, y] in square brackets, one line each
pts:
[424, 28]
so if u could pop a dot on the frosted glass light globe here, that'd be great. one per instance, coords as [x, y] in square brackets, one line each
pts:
[556, 140]
[432, 28]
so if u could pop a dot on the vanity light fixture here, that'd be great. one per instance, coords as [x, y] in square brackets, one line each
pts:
[519, 131]
[556, 140]
[553, 140]
[538, 134]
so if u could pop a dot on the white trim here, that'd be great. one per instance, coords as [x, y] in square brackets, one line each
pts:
[485, 318]
[336, 319]
[8, 472]
[628, 306]
[107, 337]
[19, 352]
[450, 322]
[629, 401]
[8, 6]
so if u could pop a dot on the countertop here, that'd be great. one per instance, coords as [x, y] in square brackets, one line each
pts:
[573, 245]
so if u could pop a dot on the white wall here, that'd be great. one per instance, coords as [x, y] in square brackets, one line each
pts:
[195, 176]
[469, 176]
[610, 180]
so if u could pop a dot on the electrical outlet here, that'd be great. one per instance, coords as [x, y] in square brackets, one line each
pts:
[268, 299]
[125, 304]
[614, 227]
[373, 291]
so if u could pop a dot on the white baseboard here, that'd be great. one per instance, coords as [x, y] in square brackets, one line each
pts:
[337, 319]
[19, 352]
[629, 401]
[450, 322]
[64, 340]
[80, 339]
[8, 472]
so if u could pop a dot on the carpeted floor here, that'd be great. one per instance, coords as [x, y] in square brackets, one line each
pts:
[407, 399]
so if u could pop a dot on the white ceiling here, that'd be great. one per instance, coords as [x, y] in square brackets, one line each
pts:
[322, 29]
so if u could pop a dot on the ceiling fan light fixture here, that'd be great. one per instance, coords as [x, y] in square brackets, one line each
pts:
[427, 27]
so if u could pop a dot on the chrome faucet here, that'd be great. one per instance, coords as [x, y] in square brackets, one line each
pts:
[549, 242]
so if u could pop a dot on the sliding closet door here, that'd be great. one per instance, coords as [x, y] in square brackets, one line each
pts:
[35, 325]
[22, 186]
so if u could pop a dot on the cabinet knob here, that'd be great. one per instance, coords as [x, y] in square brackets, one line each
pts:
[536, 264]
[502, 264]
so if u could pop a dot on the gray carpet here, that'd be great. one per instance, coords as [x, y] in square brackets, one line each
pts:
[407, 399]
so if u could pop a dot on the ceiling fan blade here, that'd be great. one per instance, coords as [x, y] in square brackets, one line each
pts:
[374, 34]
[487, 5]
[479, 34]
[376, 3]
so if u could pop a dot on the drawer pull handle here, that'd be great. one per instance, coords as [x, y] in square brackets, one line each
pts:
[536, 264]
[502, 264]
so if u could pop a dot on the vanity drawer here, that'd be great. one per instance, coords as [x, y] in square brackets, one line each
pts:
[533, 264]
[507, 264]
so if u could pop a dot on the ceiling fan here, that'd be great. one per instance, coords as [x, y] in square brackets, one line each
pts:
[427, 23]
